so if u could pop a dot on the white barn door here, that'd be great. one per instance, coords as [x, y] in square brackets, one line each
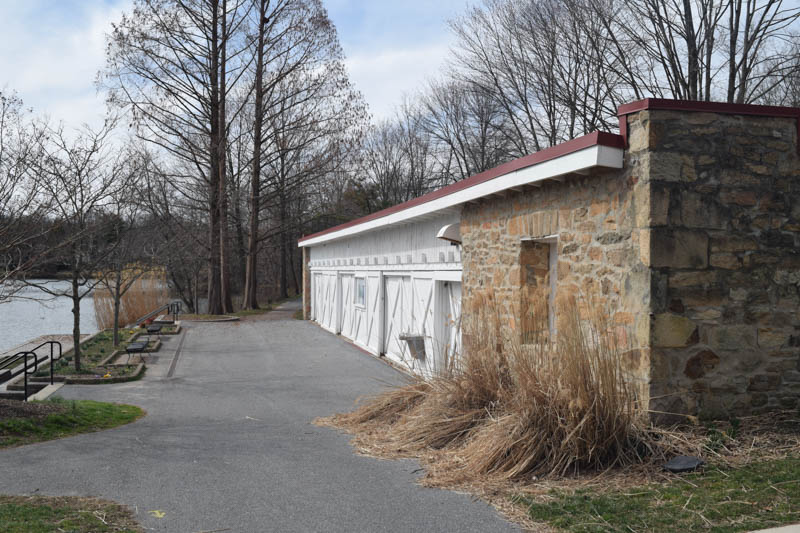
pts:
[316, 300]
[452, 293]
[326, 301]
[348, 308]
[423, 321]
[375, 313]
[397, 316]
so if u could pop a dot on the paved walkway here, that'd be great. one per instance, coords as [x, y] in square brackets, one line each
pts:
[228, 443]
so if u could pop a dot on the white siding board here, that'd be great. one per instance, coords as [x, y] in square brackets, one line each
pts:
[406, 269]
[405, 247]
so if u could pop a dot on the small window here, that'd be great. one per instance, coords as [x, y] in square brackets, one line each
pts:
[539, 273]
[360, 293]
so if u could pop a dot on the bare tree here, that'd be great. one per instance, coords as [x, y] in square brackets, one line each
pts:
[732, 50]
[467, 124]
[82, 172]
[136, 250]
[174, 64]
[22, 208]
[397, 161]
[178, 229]
[304, 110]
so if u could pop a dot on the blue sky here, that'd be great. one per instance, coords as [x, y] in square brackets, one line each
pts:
[392, 47]
[50, 50]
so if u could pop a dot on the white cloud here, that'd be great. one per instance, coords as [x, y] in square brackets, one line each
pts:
[386, 75]
[51, 56]
[51, 51]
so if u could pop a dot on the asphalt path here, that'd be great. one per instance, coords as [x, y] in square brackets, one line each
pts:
[228, 444]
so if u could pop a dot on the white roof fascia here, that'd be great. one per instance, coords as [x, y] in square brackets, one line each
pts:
[593, 156]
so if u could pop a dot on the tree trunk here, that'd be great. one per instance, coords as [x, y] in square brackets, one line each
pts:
[284, 280]
[250, 300]
[241, 248]
[214, 296]
[214, 279]
[76, 322]
[292, 254]
[691, 50]
[117, 299]
[224, 249]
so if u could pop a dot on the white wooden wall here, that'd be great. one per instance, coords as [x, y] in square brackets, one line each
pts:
[407, 247]
[413, 286]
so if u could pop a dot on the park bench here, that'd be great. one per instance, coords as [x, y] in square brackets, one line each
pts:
[138, 346]
[154, 329]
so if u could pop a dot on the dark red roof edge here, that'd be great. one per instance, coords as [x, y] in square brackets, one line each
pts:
[597, 138]
[709, 107]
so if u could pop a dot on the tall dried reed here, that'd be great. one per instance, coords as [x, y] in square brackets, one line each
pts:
[144, 295]
[508, 410]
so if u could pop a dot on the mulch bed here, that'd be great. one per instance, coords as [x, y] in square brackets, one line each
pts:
[18, 409]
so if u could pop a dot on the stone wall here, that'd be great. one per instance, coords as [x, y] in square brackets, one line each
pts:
[693, 248]
[600, 253]
[724, 249]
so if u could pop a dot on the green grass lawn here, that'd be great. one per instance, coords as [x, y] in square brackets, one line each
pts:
[41, 514]
[760, 495]
[92, 353]
[71, 418]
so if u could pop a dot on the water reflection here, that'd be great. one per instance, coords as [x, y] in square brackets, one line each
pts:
[33, 313]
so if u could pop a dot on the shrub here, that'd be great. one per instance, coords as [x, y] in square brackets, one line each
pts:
[144, 295]
[508, 410]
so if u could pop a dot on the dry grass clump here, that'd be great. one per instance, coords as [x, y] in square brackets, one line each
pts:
[144, 295]
[508, 411]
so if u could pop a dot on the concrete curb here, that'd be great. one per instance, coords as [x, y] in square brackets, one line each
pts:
[137, 373]
[46, 392]
[224, 319]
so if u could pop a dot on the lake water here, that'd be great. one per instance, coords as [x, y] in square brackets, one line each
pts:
[33, 313]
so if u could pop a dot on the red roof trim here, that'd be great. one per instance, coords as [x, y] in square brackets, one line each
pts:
[708, 107]
[597, 138]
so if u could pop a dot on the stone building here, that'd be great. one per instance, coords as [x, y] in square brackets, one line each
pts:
[686, 226]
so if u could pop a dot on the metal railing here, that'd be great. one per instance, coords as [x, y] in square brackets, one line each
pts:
[173, 308]
[10, 366]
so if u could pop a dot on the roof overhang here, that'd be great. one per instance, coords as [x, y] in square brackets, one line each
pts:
[596, 150]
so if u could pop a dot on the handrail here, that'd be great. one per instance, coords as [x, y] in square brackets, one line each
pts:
[174, 307]
[14, 360]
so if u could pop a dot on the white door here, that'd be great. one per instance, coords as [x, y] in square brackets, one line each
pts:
[398, 317]
[348, 308]
[423, 322]
[374, 314]
[327, 301]
[453, 320]
[316, 296]
[365, 308]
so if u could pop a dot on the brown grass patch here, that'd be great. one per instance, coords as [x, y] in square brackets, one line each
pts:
[31, 513]
[509, 411]
[512, 418]
[17, 409]
[144, 295]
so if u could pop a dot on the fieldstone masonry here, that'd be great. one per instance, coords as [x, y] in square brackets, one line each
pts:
[724, 259]
[694, 247]
[600, 257]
